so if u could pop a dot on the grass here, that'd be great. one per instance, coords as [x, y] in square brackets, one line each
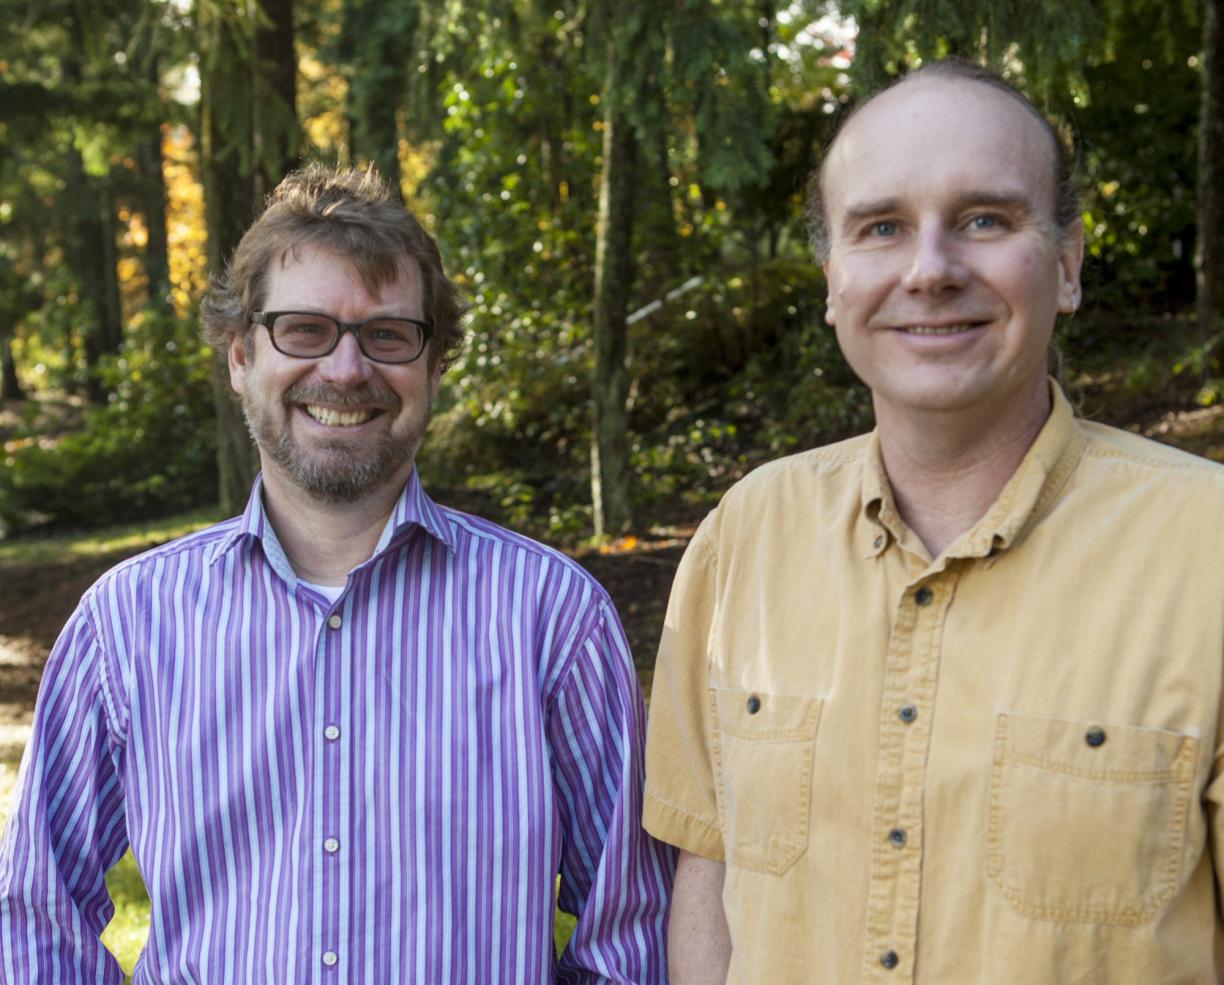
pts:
[128, 930]
[130, 537]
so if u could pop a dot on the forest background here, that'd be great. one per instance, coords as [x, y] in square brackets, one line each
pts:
[618, 187]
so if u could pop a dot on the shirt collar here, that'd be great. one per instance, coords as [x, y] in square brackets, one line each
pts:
[1023, 500]
[414, 508]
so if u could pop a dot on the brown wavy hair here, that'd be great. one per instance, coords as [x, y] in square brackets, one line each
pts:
[353, 213]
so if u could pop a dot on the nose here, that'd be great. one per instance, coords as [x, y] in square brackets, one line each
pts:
[935, 265]
[345, 365]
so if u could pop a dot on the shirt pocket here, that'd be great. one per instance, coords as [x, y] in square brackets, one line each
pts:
[1087, 820]
[763, 748]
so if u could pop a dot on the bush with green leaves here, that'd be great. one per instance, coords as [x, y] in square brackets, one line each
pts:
[737, 371]
[149, 451]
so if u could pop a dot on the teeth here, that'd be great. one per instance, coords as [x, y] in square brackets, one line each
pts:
[335, 418]
[936, 329]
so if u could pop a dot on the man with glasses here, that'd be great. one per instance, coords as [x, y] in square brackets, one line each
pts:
[350, 735]
[941, 704]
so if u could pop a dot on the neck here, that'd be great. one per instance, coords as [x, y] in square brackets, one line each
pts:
[947, 469]
[324, 541]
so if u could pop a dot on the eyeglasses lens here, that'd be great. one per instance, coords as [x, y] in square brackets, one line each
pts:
[389, 340]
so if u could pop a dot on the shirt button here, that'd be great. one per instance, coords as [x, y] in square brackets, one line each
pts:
[331, 846]
[1095, 736]
[330, 958]
[754, 705]
[331, 732]
[878, 542]
[889, 959]
[907, 713]
[334, 620]
[897, 837]
[923, 597]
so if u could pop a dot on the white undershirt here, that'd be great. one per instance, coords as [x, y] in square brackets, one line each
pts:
[329, 592]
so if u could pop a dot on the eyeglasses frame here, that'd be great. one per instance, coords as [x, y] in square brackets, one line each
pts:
[266, 318]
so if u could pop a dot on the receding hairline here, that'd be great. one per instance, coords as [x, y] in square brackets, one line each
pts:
[947, 80]
[949, 73]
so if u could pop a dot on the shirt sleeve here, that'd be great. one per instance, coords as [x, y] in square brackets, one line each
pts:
[615, 878]
[67, 827]
[680, 804]
[1213, 801]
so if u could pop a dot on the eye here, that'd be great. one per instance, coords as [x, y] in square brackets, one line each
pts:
[302, 326]
[390, 331]
[985, 222]
[885, 227]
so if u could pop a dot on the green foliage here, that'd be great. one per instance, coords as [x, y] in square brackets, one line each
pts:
[741, 371]
[128, 930]
[1044, 42]
[1136, 119]
[722, 75]
[147, 452]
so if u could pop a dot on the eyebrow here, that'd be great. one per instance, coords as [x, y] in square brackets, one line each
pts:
[1007, 201]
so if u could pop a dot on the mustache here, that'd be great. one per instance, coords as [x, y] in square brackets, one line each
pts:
[362, 395]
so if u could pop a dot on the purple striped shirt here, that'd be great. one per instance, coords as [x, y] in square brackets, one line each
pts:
[383, 789]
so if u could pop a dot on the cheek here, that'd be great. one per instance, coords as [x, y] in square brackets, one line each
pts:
[860, 282]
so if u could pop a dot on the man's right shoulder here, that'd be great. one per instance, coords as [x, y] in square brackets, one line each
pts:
[195, 549]
[816, 470]
[825, 481]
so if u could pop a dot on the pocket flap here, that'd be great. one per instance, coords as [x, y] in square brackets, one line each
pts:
[764, 716]
[1094, 749]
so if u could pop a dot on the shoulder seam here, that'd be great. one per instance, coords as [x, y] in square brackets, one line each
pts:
[105, 685]
[1204, 465]
[196, 541]
[500, 534]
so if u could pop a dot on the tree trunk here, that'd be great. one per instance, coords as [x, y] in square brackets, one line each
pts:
[380, 38]
[10, 386]
[107, 271]
[92, 252]
[225, 157]
[153, 203]
[275, 131]
[1209, 242]
[613, 283]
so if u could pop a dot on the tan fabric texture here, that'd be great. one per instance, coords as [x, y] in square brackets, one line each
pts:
[1002, 766]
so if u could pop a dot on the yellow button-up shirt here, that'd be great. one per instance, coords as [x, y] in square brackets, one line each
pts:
[1001, 766]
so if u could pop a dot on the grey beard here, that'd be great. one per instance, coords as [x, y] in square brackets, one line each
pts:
[342, 477]
[337, 475]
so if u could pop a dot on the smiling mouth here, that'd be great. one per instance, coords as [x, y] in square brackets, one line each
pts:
[938, 329]
[337, 418]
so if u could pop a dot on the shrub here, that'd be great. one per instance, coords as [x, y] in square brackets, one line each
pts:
[149, 451]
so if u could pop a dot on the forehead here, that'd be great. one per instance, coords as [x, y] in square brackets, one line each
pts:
[928, 139]
[315, 274]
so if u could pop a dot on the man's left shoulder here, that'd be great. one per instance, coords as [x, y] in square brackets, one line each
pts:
[477, 538]
[1108, 446]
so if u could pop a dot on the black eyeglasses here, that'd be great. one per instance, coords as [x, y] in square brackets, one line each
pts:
[310, 335]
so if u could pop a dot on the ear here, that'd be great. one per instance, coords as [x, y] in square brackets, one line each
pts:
[239, 359]
[830, 313]
[435, 380]
[1070, 260]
